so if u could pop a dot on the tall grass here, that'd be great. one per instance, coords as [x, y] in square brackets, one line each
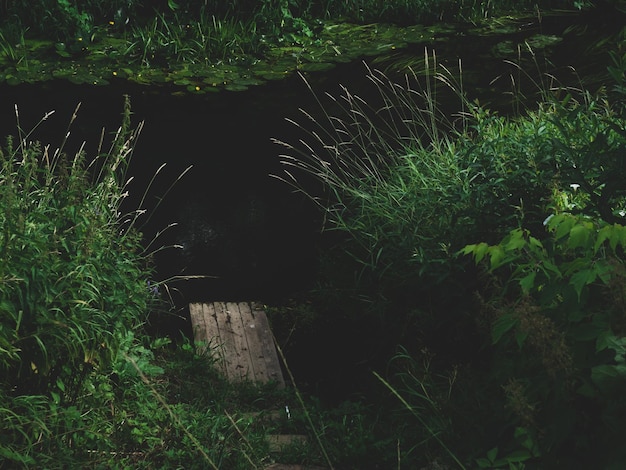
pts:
[206, 39]
[389, 168]
[72, 273]
[412, 182]
[82, 384]
[247, 24]
[73, 279]
[412, 186]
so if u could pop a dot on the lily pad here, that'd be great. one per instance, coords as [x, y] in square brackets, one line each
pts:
[274, 75]
[12, 80]
[249, 81]
[541, 41]
[504, 49]
[500, 27]
[141, 78]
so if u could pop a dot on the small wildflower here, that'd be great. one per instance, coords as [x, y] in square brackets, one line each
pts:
[153, 288]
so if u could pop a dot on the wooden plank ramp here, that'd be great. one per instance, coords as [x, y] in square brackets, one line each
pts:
[240, 334]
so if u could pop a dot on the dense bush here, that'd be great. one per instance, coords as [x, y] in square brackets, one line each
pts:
[73, 280]
[534, 349]
[64, 19]
[72, 271]
[412, 188]
[556, 323]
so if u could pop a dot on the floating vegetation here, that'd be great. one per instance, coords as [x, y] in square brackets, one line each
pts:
[511, 49]
[102, 60]
[541, 41]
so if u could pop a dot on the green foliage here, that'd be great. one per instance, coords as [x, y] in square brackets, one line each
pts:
[207, 40]
[65, 20]
[71, 276]
[72, 280]
[390, 175]
[542, 358]
[212, 30]
[424, 395]
[558, 329]
[411, 188]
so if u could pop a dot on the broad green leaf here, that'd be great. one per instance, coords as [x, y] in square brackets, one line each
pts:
[526, 439]
[513, 457]
[585, 332]
[535, 243]
[621, 230]
[576, 265]
[575, 313]
[615, 236]
[515, 240]
[579, 236]
[528, 281]
[467, 249]
[608, 371]
[520, 338]
[603, 234]
[581, 279]
[605, 375]
[483, 463]
[497, 256]
[608, 340]
[549, 268]
[501, 326]
[562, 224]
[479, 251]
[604, 270]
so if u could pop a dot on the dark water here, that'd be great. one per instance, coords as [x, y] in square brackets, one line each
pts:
[235, 221]
[255, 237]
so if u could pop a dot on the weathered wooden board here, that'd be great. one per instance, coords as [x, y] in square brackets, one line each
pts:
[240, 335]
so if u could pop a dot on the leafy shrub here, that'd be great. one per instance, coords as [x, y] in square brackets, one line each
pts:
[559, 335]
[73, 279]
[72, 274]
[411, 187]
